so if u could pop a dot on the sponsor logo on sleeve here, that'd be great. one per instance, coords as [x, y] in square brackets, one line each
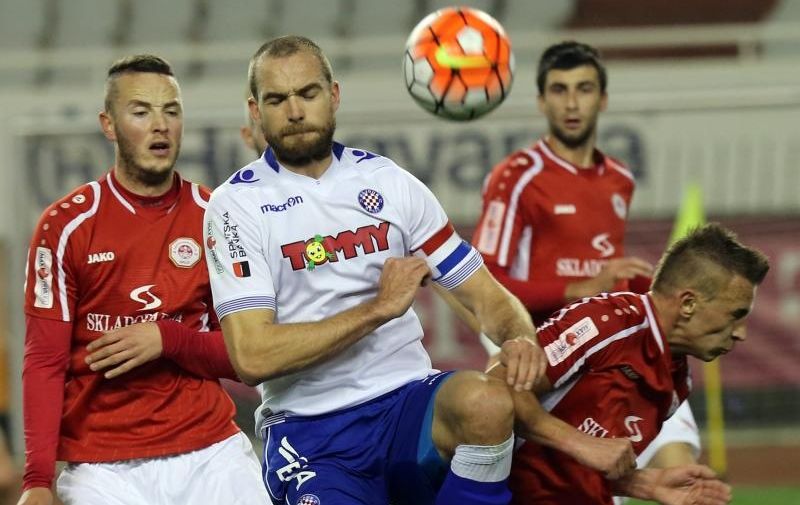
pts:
[230, 231]
[184, 252]
[491, 227]
[211, 243]
[241, 269]
[43, 290]
[570, 339]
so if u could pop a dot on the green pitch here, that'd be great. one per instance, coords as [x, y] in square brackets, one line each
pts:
[759, 496]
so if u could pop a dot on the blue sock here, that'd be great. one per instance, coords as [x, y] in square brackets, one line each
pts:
[460, 491]
[478, 475]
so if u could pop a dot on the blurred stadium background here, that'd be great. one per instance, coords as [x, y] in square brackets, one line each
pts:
[701, 91]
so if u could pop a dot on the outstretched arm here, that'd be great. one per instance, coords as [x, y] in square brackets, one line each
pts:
[614, 457]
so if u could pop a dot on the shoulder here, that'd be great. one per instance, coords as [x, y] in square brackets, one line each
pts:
[249, 179]
[618, 167]
[200, 195]
[81, 202]
[610, 312]
[363, 160]
[516, 171]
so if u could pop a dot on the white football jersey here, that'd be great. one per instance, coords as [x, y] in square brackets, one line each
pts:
[311, 248]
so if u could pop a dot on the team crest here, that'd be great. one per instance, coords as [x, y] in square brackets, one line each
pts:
[308, 499]
[370, 200]
[184, 252]
[620, 207]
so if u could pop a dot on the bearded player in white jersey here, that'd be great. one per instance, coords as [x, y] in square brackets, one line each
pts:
[315, 252]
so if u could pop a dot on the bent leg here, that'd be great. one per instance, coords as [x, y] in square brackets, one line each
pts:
[472, 428]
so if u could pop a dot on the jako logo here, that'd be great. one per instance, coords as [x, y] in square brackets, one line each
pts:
[602, 244]
[101, 257]
[244, 176]
[291, 202]
[150, 302]
[633, 428]
[368, 238]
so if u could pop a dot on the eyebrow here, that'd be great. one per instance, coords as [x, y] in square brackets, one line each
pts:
[304, 89]
[142, 103]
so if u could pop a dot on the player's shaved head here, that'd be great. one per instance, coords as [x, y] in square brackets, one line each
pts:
[705, 260]
[145, 63]
[282, 47]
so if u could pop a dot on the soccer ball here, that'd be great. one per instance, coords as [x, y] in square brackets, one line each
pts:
[458, 63]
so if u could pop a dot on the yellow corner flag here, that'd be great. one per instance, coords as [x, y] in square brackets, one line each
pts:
[691, 215]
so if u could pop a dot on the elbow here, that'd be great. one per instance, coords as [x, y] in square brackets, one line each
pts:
[254, 371]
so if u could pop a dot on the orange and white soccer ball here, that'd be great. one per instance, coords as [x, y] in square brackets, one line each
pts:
[458, 63]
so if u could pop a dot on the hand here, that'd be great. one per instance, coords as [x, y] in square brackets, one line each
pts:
[525, 362]
[691, 485]
[127, 347]
[399, 282]
[36, 496]
[680, 485]
[612, 272]
[613, 457]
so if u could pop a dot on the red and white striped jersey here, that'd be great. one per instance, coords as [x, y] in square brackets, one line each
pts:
[99, 260]
[613, 376]
[546, 223]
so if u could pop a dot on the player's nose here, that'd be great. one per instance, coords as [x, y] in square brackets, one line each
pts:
[294, 108]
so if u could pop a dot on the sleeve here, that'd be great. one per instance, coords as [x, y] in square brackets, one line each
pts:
[240, 275]
[588, 333]
[50, 280]
[504, 216]
[201, 352]
[45, 362]
[431, 236]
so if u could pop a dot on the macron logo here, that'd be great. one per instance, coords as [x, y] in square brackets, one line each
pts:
[101, 257]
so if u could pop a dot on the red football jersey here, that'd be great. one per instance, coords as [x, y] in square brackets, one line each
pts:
[101, 259]
[546, 223]
[613, 376]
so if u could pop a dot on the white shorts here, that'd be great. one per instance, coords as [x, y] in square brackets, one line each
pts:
[225, 473]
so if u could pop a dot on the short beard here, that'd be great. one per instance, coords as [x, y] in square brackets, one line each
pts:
[148, 178]
[304, 154]
[572, 142]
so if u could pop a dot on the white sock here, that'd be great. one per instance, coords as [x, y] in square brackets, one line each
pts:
[483, 463]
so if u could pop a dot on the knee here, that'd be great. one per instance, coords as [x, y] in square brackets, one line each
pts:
[484, 408]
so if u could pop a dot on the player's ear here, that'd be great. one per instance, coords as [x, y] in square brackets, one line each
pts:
[603, 101]
[247, 136]
[107, 124]
[335, 95]
[540, 102]
[688, 303]
[252, 106]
